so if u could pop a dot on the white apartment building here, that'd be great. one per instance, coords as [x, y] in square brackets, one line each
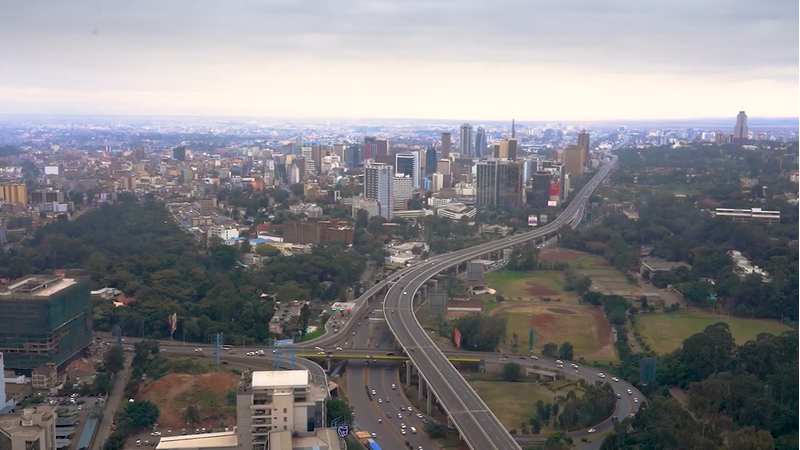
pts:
[32, 429]
[223, 232]
[273, 402]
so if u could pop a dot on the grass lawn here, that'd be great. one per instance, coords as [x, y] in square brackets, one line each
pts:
[590, 262]
[578, 328]
[514, 285]
[681, 190]
[514, 403]
[666, 331]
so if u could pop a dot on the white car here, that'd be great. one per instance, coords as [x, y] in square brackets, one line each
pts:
[635, 400]
[403, 432]
[403, 426]
[630, 392]
[591, 430]
[393, 386]
[601, 375]
[380, 400]
[373, 392]
[558, 361]
[339, 349]
[615, 379]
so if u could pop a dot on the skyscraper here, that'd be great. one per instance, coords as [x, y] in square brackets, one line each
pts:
[370, 147]
[499, 184]
[407, 163]
[573, 160]
[583, 142]
[506, 149]
[740, 132]
[430, 160]
[465, 142]
[480, 143]
[378, 183]
[446, 143]
[352, 156]
[382, 147]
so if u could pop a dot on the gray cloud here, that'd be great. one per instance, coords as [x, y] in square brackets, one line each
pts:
[57, 43]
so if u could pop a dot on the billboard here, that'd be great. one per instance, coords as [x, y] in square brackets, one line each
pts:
[284, 342]
[555, 189]
[543, 218]
[457, 338]
[552, 203]
[533, 221]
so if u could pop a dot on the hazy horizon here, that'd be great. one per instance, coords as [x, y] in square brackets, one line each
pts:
[619, 60]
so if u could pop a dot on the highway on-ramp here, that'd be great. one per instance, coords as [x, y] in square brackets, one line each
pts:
[478, 426]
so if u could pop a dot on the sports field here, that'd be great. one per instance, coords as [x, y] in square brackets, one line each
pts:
[665, 332]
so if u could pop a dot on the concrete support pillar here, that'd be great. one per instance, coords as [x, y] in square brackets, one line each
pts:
[409, 371]
[421, 389]
[329, 364]
[429, 404]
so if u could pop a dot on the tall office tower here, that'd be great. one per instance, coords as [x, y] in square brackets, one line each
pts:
[740, 132]
[466, 144]
[447, 139]
[14, 193]
[480, 143]
[316, 157]
[573, 160]
[378, 183]
[351, 156]
[583, 142]
[540, 190]
[402, 191]
[499, 184]
[437, 181]
[530, 166]
[179, 153]
[44, 318]
[382, 147]
[370, 147]
[338, 150]
[430, 160]
[407, 163]
[506, 149]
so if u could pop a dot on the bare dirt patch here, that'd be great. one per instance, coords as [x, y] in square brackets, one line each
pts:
[543, 321]
[561, 310]
[209, 392]
[560, 255]
[537, 290]
[604, 337]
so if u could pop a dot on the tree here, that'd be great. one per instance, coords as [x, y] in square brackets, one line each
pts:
[191, 414]
[536, 425]
[102, 383]
[336, 408]
[305, 317]
[593, 298]
[511, 371]
[142, 414]
[434, 430]
[480, 333]
[114, 359]
[267, 250]
[550, 350]
[566, 351]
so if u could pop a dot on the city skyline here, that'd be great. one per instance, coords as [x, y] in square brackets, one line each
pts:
[280, 60]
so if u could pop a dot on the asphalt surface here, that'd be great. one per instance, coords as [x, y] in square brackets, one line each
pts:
[112, 402]
[478, 426]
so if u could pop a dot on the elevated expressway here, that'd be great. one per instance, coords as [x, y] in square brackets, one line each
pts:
[477, 425]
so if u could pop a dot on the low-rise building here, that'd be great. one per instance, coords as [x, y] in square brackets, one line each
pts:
[32, 429]
[652, 265]
[456, 211]
[45, 376]
[748, 215]
[744, 267]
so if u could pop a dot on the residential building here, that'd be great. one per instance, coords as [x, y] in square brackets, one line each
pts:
[46, 196]
[271, 402]
[14, 193]
[402, 191]
[748, 215]
[574, 160]
[223, 232]
[32, 429]
[309, 209]
[378, 183]
[466, 144]
[44, 319]
[499, 184]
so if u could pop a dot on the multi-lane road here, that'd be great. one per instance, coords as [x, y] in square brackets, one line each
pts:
[478, 426]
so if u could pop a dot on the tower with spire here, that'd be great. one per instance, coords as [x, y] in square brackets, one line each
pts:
[513, 130]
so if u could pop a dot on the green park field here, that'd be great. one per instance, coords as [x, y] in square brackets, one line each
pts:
[665, 332]
[530, 285]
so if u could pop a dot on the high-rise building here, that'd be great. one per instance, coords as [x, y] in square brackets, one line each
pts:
[271, 403]
[430, 160]
[540, 190]
[480, 143]
[179, 153]
[437, 181]
[447, 142]
[583, 142]
[382, 147]
[740, 132]
[573, 160]
[407, 163]
[466, 144]
[378, 183]
[44, 318]
[14, 193]
[352, 156]
[499, 184]
[370, 147]
[530, 166]
[507, 149]
[402, 191]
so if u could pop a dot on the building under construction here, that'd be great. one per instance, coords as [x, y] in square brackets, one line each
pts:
[44, 319]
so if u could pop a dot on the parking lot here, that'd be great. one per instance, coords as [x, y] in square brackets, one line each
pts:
[73, 414]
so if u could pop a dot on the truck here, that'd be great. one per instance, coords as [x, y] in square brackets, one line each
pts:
[373, 445]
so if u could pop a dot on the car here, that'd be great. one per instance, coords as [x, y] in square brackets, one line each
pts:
[138, 442]
[318, 349]
[619, 395]
[574, 366]
[635, 400]
[339, 349]
[409, 409]
[359, 323]
[275, 351]
[320, 353]
[558, 361]
[521, 357]
[403, 432]
[392, 311]
[393, 386]
[374, 435]
[399, 415]
[615, 379]
[560, 366]
[405, 293]
[591, 430]
[630, 392]
[601, 375]
[155, 433]
[403, 426]
[402, 408]
[388, 415]
[373, 392]
[534, 357]
[380, 420]
[387, 399]
[354, 333]
[380, 400]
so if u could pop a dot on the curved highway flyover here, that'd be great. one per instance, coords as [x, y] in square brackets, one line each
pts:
[477, 425]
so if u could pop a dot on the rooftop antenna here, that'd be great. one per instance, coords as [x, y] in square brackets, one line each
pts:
[513, 129]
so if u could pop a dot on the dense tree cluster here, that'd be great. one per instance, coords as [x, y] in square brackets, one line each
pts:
[480, 333]
[137, 248]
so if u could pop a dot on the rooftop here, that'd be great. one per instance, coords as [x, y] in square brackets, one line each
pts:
[210, 440]
[38, 286]
[280, 378]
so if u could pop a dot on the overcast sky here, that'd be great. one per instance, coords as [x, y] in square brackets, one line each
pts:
[448, 59]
